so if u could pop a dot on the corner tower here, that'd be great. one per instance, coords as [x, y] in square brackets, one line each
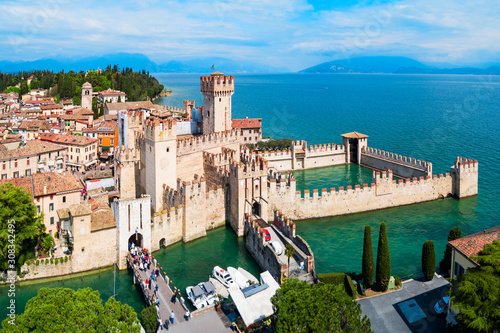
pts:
[87, 95]
[217, 90]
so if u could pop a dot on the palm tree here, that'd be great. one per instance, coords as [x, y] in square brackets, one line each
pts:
[289, 251]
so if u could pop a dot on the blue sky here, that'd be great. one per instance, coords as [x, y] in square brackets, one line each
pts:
[285, 33]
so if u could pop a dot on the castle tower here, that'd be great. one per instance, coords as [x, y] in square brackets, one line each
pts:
[354, 144]
[160, 154]
[465, 177]
[87, 96]
[248, 191]
[217, 90]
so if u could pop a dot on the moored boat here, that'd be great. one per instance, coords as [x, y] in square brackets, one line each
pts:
[223, 276]
[239, 278]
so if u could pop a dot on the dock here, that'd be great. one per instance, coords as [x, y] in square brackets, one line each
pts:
[164, 294]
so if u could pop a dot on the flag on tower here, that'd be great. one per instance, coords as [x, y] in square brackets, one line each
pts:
[213, 66]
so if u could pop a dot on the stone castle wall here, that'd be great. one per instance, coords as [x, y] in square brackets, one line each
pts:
[401, 166]
[383, 193]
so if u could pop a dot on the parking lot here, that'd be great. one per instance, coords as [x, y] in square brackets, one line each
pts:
[410, 309]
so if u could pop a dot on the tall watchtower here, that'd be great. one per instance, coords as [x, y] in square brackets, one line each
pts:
[160, 152]
[87, 95]
[217, 90]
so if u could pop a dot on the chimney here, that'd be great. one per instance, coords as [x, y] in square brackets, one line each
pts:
[44, 188]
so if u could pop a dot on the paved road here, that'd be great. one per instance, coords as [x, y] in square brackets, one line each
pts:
[211, 321]
[385, 311]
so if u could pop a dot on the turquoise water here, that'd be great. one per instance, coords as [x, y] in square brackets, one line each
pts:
[430, 117]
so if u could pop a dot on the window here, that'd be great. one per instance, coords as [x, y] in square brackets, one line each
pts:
[111, 142]
[50, 154]
[16, 174]
[51, 207]
[38, 209]
[51, 220]
[3, 166]
[168, 149]
[241, 132]
[82, 231]
[27, 161]
[255, 138]
[4, 176]
[245, 139]
[256, 131]
[28, 172]
[77, 150]
[64, 198]
[71, 149]
[220, 99]
[15, 164]
[459, 270]
[100, 141]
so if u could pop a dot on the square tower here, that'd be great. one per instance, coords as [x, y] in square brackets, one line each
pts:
[217, 90]
[87, 95]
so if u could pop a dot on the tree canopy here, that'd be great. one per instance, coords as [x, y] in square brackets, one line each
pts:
[22, 234]
[428, 260]
[445, 264]
[66, 310]
[149, 320]
[368, 267]
[383, 270]
[303, 307]
[476, 294]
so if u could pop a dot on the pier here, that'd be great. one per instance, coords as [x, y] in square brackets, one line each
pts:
[165, 293]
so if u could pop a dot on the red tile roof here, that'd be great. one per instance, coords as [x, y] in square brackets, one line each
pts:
[110, 92]
[247, 123]
[471, 245]
[67, 139]
[51, 106]
[33, 147]
[46, 183]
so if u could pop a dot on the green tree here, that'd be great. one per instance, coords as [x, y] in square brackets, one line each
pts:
[66, 310]
[445, 264]
[20, 225]
[149, 319]
[289, 252]
[476, 294]
[303, 307]
[24, 87]
[383, 272]
[368, 267]
[47, 242]
[428, 260]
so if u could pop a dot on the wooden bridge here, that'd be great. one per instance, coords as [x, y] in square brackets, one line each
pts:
[164, 294]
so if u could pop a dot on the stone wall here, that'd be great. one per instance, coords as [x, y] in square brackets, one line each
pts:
[382, 193]
[261, 250]
[401, 166]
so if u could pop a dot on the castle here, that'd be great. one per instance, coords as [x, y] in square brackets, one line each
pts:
[179, 177]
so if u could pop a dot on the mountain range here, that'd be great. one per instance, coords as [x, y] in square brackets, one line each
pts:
[139, 62]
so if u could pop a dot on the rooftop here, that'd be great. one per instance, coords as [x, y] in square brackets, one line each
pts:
[46, 183]
[33, 147]
[67, 139]
[471, 245]
[247, 123]
[354, 135]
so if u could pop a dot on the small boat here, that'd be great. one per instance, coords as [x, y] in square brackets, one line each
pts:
[239, 278]
[223, 276]
[248, 276]
[202, 295]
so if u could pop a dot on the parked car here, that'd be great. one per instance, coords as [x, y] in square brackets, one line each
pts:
[276, 247]
[267, 234]
[441, 305]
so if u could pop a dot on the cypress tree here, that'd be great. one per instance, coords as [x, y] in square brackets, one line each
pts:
[368, 265]
[383, 272]
[445, 264]
[428, 260]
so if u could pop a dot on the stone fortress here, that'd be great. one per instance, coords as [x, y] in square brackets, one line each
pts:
[176, 185]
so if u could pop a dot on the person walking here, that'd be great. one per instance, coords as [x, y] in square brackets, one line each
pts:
[186, 315]
[172, 316]
[160, 324]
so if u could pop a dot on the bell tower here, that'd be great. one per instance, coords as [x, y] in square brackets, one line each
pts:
[87, 96]
[217, 90]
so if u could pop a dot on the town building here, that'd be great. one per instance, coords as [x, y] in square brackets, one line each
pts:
[250, 129]
[51, 109]
[35, 156]
[50, 191]
[465, 249]
[112, 96]
[81, 150]
[30, 129]
[106, 133]
[87, 96]
[148, 106]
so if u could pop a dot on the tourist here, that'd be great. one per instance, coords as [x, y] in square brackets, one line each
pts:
[166, 324]
[172, 316]
[156, 287]
[155, 262]
[149, 284]
[141, 266]
[159, 323]
[186, 315]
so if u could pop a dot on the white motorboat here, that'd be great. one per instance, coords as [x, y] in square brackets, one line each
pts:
[223, 276]
[248, 276]
[239, 278]
[202, 295]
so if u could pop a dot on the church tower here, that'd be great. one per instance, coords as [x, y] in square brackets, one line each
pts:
[217, 90]
[87, 96]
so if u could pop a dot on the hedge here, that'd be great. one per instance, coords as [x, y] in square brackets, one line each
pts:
[57, 261]
[37, 263]
[349, 287]
[332, 278]
[47, 261]
[428, 260]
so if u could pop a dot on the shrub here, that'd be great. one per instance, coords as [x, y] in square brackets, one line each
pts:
[37, 263]
[57, 261]
[445, 264]
[383, 272]
[368, 266]
[349, 287]
[332, 278]
[47, 261]
[65, 259]
[69, 257]
[28, 263]
[51, 260]
[397, 281]
[428, 260]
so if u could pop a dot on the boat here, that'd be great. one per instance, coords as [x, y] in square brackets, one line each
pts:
[239, 278]
[202, 295]
[223, 276]
[248, 276]
[220, 289]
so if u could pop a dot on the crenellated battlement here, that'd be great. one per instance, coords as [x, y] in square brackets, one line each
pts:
[249, 166]
[125, 155]
[326, 148]
[465, 164]
[225, 157]
[217, 82]
[426, 166]
[207, 141]
[284, 224]
[157, 129]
